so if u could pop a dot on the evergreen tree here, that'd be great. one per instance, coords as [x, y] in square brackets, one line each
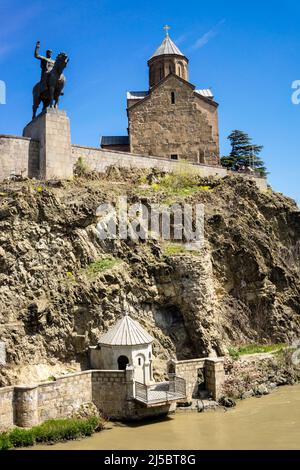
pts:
[243, 154]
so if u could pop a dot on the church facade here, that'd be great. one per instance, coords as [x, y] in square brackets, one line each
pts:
[172, 119]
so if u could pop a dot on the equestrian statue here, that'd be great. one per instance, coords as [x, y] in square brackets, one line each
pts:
[49, 89]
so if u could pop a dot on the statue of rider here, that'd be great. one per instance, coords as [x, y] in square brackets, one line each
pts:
[46, 66]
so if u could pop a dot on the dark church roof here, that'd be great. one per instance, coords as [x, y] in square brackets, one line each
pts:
[114, 140]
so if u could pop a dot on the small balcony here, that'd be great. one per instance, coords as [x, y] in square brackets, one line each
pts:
[160, 393]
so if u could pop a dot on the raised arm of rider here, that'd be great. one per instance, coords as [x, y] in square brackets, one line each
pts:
[36, 51]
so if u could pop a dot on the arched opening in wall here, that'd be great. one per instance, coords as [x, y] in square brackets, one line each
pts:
[179, 71]
[122, 362]
[173, 99]
[171, 369]
[161, 73]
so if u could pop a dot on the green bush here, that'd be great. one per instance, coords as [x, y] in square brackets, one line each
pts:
[81, 168]
[53, 430]
[5, 442]
[22, 437]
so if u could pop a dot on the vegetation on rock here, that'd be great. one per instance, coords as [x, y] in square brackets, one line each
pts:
[243, 288]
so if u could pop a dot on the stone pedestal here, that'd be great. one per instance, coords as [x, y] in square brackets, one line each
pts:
[51, 129]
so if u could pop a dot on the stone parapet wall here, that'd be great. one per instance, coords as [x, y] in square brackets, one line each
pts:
[6, 407]
[18, 156]
[64, 395]
[99, 160]
[27, 406]
[21, 156]
[109, 392]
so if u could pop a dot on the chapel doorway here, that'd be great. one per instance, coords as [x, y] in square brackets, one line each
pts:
[122, 362]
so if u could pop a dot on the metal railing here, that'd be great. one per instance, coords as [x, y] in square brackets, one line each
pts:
[161, 392]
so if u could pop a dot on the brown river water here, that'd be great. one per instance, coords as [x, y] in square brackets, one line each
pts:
[270, 422]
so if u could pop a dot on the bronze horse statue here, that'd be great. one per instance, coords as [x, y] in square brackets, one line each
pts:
[55, 85]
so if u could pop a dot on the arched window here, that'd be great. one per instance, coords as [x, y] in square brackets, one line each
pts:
[122, 362]
[172, 97]
[179, 71]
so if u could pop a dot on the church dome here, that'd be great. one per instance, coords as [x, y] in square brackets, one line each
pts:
[126, 332]
[167, 59]
[167, 47]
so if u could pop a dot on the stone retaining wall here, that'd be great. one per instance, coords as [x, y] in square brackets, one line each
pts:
[6, 407]
[18, 156]
[100, 159]
[109, 392]
[21, 156]
[212, 369]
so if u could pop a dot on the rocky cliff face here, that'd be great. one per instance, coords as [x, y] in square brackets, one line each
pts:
[61, 287]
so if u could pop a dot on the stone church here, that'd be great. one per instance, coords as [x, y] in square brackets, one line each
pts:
[172, 119]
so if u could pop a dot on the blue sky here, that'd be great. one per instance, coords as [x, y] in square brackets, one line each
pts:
[248, 52]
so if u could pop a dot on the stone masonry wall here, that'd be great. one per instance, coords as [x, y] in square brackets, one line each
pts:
[188, 370]
[188, 128]
[18, 156]
[214, 376]
[28, 406]
[213, 370]
[100, 159]
[60, 398]
[109, 392]
[6, 407]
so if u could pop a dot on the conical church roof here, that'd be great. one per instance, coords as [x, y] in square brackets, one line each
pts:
[167, 47]
[126, 332]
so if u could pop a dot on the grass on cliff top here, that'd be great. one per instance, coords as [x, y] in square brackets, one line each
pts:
[54, 430]
[101, 265]
[255, 349]
[172, 248]
[182, 182]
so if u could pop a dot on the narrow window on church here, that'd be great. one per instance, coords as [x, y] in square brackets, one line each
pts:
[174, 157]
[179, 70]
[172, 97]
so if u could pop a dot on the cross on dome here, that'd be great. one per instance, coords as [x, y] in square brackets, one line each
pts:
[167, 29]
